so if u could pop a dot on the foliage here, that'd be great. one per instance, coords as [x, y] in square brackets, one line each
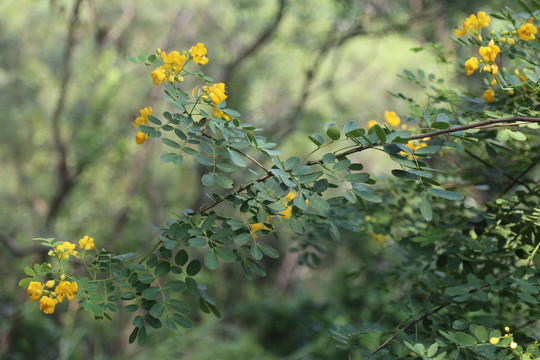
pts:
[463, 258]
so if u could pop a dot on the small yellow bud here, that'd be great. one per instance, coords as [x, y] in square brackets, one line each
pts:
[511, 41]
[479, 37]
[514, 32]
[49, 284]
[507, 329]
[494, 340]
[49, 266]
[511, 92]
[505, 32]
[494, 81]
[204, 97]
[171, 79]
[503, 40]
[179, 78]
[492, 32]
[50, 253]
[158, 51]
[62, 277]
[513, 345]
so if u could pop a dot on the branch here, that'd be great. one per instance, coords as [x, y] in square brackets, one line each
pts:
[365, 147]
[434, 311]
[518, 179]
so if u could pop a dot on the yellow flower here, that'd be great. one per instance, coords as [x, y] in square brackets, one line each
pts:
[471, 65]
[413, 146]
[392, 118]
[489, 95]
[140, 137]
[87, 243]
[159, 75]
[513, 345]
[527, 32]
[66, 289]
[216, 92]
[49, 284]
[35, 290]
[371, 123]
[47, 304]
[473, 22]
[143, 119]
[256, 227]
[489, 53]
[220, 114]
[377, 238]
[483, 19]
[198, 53]
[173, 62]
[494, 340]
[507, 329]
[65, 249]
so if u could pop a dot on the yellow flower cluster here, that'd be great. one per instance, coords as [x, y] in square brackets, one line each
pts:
[64, 250]
[414, 146]
[216, 92]
[527, 32]
[489, 95]
[392, 118]
[87, 243]
[141, 137]
[473, 23]
[489, 53]
[49, 298]
[198, 53]
[377, 238]
[471, 65]
[222, 115]
[172, 64]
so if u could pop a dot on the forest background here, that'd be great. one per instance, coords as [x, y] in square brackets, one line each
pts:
[69, 165]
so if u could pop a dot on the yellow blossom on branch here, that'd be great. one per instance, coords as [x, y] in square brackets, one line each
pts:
[159, 75]
[371, 123]
[471, 65]
[65, 249]
[35, 290]
[198, 53]
[216, 92]
[173, 62]
[221, 114]
[392, 118]
[473, 23]
[47, 304]
[143, 119]
[140, 137]
[527, 32]
[489, 95]
[377, 238]
[87, 243]
[489, 53]
[413, 146]
[66, 289]
[253, 228]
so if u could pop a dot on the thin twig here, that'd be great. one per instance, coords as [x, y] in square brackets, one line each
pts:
[253, 159]
[518, 179]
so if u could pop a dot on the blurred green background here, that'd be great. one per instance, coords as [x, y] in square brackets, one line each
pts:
[69, 165]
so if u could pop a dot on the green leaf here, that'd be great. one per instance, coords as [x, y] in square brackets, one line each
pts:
[192, 285]
[381, 135]
[464, 339]
[442, 117]
[316, 139]
[368, 196]
[162, 269]
[152, 321]
[193, 268]
[171, 143]
[268, 250]
[175, 285]
[517, 135]
[223, 181]
[29, 271]
[208, 179]
[450, 195]
[425, 208]
[432, 350]
[256, 252]
[237, 159]
[204, 160]
[333, 132]
[181, 257]
[357, 177]
[430, 149]
[405, 175]
[150, 293]
[182, 321]
[211, 260]
[426, 116]
[169, 157]
[131, 308]
[141, 338]
[198, 242]
[157, 310]
[225, 254]
[481, 334]
[440, 125]
[318, 202]
[25, 282]
[179, 305]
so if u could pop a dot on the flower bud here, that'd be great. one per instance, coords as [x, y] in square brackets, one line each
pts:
[511, 41]
[492, 32]
[507, 329]
[49, 284]
[479, 37]
[494, 340]
[49, 266]
[62, 277]
[50, 253]
[513, 345]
